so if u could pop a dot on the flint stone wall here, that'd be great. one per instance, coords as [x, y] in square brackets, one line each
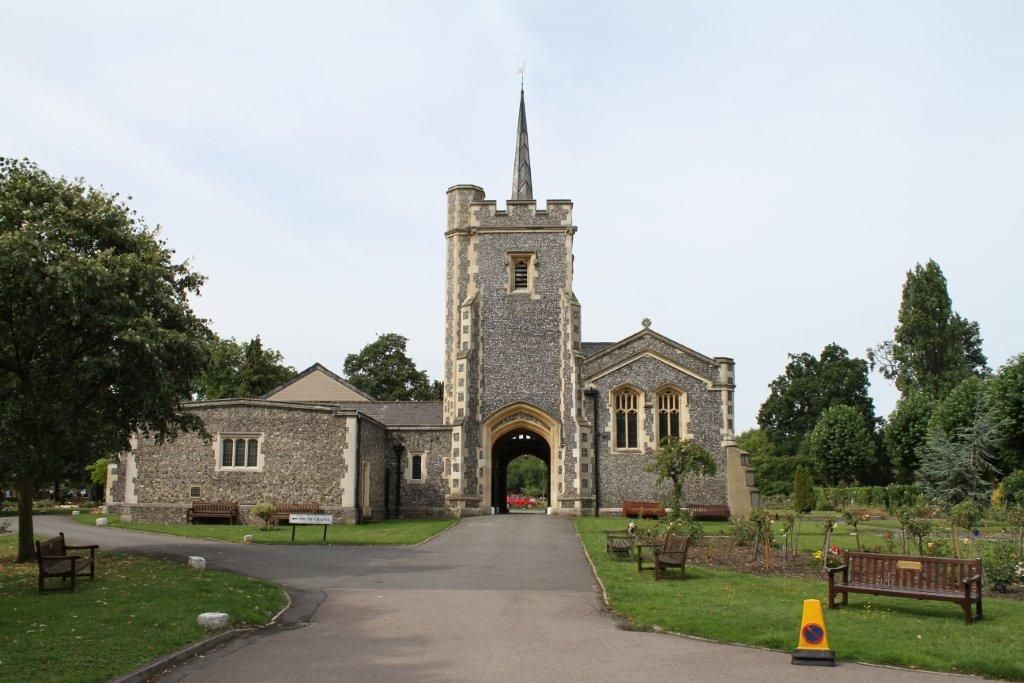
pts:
[622, 475]
[424, 498]
[302, 451]
[378, 455]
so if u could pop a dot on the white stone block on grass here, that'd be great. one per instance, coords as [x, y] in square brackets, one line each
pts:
[214, 620]
[101, 521]
[247, 538]
[196, 562]
[75, 513]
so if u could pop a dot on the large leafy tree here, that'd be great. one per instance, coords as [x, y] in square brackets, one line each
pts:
[97, 339]
[384, 370]
[843, 445]
[806, 389]
[242, 370]
[934, 348]
[1007, 396]
[905, 433]
[676, 461]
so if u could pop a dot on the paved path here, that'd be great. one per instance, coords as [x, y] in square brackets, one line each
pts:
[492, 598]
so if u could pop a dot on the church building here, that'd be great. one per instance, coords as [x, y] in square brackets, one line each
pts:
[518, 380]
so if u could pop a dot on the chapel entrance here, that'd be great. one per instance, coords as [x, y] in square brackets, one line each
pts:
[511, 446]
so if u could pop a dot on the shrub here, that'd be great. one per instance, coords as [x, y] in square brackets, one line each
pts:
[1001, 565]
[264, 511]
[804, 497]
[742, 531]
[682, 522]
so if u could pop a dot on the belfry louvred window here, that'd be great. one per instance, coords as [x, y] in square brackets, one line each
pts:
[626, 402]
[521, 275]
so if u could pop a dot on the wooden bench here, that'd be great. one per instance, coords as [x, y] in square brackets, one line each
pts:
[618, 542]
[672, 554]
[199, 510]
[54, 562]
[709, 512]
[643, 508]
[283, 510]
[908, 576]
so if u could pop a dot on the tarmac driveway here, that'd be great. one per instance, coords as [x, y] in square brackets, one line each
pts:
[506, 597]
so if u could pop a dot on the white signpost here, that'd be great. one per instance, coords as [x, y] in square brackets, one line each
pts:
[302, 519]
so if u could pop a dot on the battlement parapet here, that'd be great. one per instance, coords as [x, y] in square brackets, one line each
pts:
[521, 213]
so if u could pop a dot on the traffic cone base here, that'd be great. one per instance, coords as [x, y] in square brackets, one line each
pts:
[812, 648]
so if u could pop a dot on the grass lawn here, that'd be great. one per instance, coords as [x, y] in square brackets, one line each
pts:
[135, 610]
[389, 532]
[765, 611]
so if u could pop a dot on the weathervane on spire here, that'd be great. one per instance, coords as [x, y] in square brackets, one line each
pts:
[521, 71]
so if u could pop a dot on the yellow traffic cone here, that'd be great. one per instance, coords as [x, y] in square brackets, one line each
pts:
[812, 649]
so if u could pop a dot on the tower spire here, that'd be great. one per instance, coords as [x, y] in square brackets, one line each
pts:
[522, 180]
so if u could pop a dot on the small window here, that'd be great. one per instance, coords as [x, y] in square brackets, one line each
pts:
[520, 268]
[239, 453]
[417, 467]
[193, 492]
[522, 274]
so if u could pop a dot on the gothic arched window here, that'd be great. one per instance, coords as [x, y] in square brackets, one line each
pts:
[671, 414]
[627, 403]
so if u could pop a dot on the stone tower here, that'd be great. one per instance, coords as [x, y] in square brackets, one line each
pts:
[512, 343]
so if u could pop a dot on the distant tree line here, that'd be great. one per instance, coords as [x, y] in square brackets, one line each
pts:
[957, 429]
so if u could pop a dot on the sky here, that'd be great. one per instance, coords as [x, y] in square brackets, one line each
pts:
[756, 178]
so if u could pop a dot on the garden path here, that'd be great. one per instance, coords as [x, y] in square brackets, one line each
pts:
[494, 597]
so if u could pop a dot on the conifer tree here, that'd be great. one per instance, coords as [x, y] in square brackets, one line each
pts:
[934, 348]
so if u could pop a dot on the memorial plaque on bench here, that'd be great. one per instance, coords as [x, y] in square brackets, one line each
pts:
[909, 564]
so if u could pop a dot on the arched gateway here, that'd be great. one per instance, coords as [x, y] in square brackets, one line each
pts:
[519, 429]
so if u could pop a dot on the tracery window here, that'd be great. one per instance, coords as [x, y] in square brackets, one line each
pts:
[671, 414]
[627, 402]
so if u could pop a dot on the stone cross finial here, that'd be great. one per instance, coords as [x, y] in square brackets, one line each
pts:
[646, 322]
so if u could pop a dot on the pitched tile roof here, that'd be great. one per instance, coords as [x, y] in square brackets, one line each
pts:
[398, 413]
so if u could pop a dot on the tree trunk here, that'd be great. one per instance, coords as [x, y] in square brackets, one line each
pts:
[26, 538]
[56, 491]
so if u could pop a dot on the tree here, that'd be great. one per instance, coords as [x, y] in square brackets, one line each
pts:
[244, 370]
[97, 339]
[957, 410]
[1007, 396]
[261, 370]
[528, 475]
[934, 348]
[382, 369]
[756, 443]
[804, 497]
[905, 433]
[808, 387]
[843, 445]
[676, 461]
[958, 467]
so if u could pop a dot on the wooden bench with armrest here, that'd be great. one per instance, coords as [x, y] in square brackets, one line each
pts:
[54, 562]
[203, 510]
[908, 576]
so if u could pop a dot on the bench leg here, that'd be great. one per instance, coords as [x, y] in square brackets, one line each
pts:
[979, 606]
[967, 612]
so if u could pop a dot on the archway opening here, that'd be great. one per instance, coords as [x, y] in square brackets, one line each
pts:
[521, 459]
